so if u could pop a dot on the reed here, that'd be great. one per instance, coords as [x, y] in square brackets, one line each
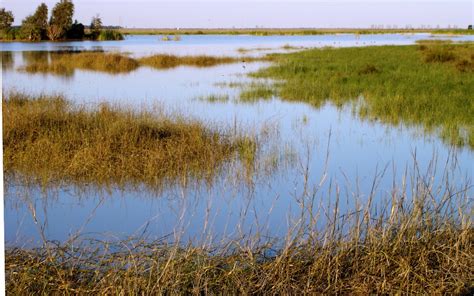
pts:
[49, 140]
[419, 242]
[66, 63]
[166, 61]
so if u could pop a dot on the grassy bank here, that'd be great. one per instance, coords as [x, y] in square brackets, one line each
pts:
[409, 247]
[287, 31]
[428, 85]
[50, 140]
[64, 63]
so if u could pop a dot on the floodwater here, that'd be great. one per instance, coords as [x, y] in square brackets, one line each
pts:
[328, 151]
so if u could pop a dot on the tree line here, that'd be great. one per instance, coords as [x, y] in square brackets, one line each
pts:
[60, 26]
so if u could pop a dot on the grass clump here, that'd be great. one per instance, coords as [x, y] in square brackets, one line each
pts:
[214, 98]
[166, 61]
[257, 91]
[107, 35]
[51, 141]
[461, 56]
[427, 85]
[66, 63]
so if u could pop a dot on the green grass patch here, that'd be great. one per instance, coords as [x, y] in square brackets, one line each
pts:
[428, 85]
[50, 141]
[106, 35]
[257, 91]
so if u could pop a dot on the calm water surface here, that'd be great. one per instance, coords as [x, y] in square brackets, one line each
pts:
[301, 141]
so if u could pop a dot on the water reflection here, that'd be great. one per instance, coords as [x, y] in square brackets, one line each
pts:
[323, 150]
[7, 60]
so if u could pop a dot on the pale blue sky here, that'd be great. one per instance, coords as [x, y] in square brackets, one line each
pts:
[263, 13]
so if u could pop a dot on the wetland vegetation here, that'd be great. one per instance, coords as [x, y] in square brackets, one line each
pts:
[412, 246]
[64, 63]
[428, 85]
[107, 145]
[414, 236]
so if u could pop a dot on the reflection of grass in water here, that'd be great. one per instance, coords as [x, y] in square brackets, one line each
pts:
[7, 60]
[50, 140]
[419, 245]
[429, 85]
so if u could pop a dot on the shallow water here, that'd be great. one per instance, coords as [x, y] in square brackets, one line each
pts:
[303, 143]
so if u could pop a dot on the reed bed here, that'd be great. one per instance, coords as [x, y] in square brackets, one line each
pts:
[419, 242]
[428, 85]
[49, 140]
[64, 63]
[166, 61]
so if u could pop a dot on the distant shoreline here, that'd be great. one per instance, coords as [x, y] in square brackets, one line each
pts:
[285, 31]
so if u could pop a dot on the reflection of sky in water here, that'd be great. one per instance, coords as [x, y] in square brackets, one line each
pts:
[224, 44]
[357, 147]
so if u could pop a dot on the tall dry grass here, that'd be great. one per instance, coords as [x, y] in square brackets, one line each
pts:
[51, 140]
[419, 242]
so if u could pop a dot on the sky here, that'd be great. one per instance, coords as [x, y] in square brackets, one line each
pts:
[263, 13]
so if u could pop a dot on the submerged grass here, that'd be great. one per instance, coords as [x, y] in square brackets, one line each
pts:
[416, 246]
[428, 85]
[257, 91]
[50, 140]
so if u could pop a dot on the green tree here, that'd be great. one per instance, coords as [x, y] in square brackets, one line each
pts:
[61, 19]
[6, 19]
[96, 26]
[41, 17]
[34, 27]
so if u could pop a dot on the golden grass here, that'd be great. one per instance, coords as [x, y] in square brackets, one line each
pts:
[411, 247]
[166, 61]
[66, 63]
[50, 140]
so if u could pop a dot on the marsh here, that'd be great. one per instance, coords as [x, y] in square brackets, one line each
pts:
[270, 156]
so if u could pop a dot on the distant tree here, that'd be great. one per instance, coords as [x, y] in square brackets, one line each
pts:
[96, 26]
[6, 19]
[61, 19]
[469, 27]
[34, 27]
